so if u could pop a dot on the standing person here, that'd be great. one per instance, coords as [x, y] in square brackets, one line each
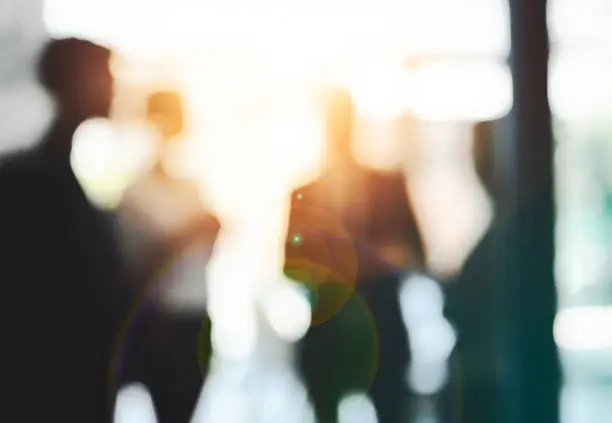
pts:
[163, 214]
[370, 206]
[341, 229]
[482, 363]
[165, 228]
[62, 275]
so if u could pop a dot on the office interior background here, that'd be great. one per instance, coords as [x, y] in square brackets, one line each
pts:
[422, 73]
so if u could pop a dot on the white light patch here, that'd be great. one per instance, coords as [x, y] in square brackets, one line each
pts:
[234, 332]
[134, 405]
[288, 311]
[432, 338]
[421, 298]
[584, 328]
[357, 408]
[467, 91]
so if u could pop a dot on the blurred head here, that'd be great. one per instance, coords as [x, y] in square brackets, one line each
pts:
[165, 112]
[339, 120]
[77, 75]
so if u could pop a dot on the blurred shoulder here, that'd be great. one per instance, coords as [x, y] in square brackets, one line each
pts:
[21, 168]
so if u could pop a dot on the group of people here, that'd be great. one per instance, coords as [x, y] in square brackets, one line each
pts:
[78, 274]
[80, 318]
[74, 278]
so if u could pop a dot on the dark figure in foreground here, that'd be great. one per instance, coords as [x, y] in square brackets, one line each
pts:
[352, 234]
[171, 357]
[483, 365]
[63, 291]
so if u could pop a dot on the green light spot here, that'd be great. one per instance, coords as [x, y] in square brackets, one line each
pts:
[297, 239]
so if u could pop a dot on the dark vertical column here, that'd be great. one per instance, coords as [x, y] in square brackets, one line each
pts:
[526, 253]
[533, 132]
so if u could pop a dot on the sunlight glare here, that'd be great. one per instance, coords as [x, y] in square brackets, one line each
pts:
[234, 332]
[467, 91]
[231, 281]
[381, 92]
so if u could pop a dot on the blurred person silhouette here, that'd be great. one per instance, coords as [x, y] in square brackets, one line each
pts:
[168, 237]
[481, 363]
[64, 292]
[164, 213]
[372, 206]
[358, 341]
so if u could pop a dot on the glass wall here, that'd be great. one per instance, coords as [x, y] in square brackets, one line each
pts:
[581, 65]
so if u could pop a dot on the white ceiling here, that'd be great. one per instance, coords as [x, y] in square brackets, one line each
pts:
[469, 26]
